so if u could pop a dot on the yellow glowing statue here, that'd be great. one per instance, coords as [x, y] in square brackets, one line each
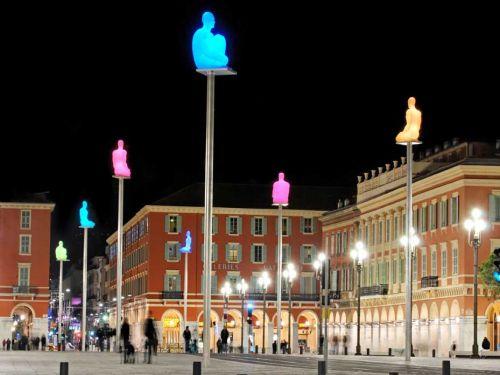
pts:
[412, 128]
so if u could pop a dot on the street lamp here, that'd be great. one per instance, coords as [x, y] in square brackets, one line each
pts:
[475, 225]
[358, 254]
[242, 289]
[289, 274]
[226, 292]
[264, 282]
[318, 265]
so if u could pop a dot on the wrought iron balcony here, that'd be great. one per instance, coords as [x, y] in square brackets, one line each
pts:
[22, 289]
[169, 294]
[259, 296]
[335, 294]
[376, 290]
[429, 282]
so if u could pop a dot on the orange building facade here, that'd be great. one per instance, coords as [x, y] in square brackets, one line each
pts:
[24, 269]
[244, 245]
[448, 183]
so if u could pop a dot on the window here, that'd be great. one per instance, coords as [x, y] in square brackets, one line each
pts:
[173, 224]
[454, 255]
[432, 216]
[454, 210]
[387, 230]
[358, 237]
[307, 285]
[414, 265]
[396, 228]
[307, 226]
[214, 252]
[307, 254]
[344, 243]
[286, 226]
[433, 263]
[24, 276]
[257, 253]
[334, 281]
[172, 253]
[215, 223]
[286, 253]
[415, 220]
[394, 270]
[403, 224]
[374, 232]
[367, 234]
[494, 208]
[380, 231]
[258, 226]
[339, 242]
[382, 276]
[401, 270]
[444, 264]
[423, 219]
[25, 244]
[233, 253]
[424, 262]
[172, 283]
[233, 280]
[25, 219]
[443, 214]
[233, 224]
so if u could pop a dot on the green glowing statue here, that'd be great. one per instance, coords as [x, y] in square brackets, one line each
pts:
[61, 252]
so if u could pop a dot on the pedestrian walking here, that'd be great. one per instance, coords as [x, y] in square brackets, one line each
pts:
[4, 343]
[8, 344]
[453, 349]
[275, 347]
[125, 335]
[151, 340]
[485, 345]
[224, 335]
[44, 342]
[187, 339]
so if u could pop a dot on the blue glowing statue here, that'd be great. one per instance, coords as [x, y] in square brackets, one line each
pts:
[209, 50]
[187, 247]
[84, 217]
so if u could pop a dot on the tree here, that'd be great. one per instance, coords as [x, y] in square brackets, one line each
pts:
[486, 270]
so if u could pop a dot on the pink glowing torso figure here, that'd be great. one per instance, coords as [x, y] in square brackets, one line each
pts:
[281, 190]
[120, 166]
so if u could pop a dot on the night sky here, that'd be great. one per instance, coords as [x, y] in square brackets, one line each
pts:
[320, 93]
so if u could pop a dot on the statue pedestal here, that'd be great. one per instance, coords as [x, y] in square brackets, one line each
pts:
[217, 72]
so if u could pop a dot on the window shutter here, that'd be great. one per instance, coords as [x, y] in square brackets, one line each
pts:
[177, 252]
[252, 226]
[301, 225]
[302, 285]
[493, 209]
[179, 224]
[313, 224]
[178, 283]
[202, 283]
[302, 254]
[264, 253]
[252, 253]
[313, 252]
[166, 251]
[202, 223]
[289, 226]
[167, 221]
[227, 225]
[215, 251]
[313, 283]
[214, 286]
[239, 225]
[165, 282]
[264, 225]
[276, 253]
[215, 225]
[227, 252]
[202, 252]
[239, 253]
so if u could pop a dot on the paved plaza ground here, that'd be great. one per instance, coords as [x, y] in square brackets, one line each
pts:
[45, 363]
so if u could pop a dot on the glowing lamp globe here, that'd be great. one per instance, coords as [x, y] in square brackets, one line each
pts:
[209, 50]
[281, 190]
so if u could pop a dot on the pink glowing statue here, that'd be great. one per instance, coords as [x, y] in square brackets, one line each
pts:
[120, 161]
[281, 189]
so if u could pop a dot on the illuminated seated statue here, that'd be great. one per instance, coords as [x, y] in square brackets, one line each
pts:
[412, 128]
[281, 189]
[120, 161]
[187, 247]
[209, 50]
[84, 217]
[61, 252]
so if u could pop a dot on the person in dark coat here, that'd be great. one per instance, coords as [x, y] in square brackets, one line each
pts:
[485, 344]
[150, 333]
[125, 335]
[275, 347]
[8, 344]
[187, 339]
[44, 342]
[224, 335]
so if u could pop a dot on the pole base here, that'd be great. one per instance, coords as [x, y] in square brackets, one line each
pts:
[358, 350]
[475, 351]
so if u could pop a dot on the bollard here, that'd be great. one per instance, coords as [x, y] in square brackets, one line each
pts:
[256, 349]
[446, 368]
[63, 368]
[390, 352]
[321, 368]
[367, 351]
[433, 353]
[196, 368]
[394, 373]
[345, 350]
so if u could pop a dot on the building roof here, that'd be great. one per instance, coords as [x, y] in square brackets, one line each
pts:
[256, 196]
[42, 197]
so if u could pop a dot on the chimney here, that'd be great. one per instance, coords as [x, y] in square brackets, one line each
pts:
[359, 179]
[373, 173]
[395, 163]
[366, 175]
[380, 169]
[387, 167]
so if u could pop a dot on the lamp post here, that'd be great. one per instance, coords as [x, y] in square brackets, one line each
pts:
[412, 241]
[475, 225]
[358, 254]
[85, 224]
[264, 282]
[226, 292]
[186, 249]
[289, 274]
[321, 271]
[61, 256]
[242, 289]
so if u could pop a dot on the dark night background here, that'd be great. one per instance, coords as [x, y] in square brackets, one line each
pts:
[321, 92]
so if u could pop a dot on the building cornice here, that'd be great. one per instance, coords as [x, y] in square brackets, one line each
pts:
[28, 205]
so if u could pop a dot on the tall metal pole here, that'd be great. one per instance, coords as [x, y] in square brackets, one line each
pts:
[119, 260]
[326, 304]
[475, 352]
[280, 273]
[60, 303]
[358, 346]
[185, 289]
[289, 317]
[242, 320]
[409, 212]
[264, 324]
[318, 278]
[207, 225]
[84, 292]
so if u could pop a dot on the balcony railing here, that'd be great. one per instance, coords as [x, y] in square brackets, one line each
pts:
[429, 282]
[375, 290]
[22, 289]
[335, 294]
[259, 296]
[169, 294]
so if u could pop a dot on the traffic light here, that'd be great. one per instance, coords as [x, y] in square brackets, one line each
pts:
[496, 264]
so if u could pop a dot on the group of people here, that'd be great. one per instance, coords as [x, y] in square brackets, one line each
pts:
[150, 342]
[24, 343]
[222, 342]
[336, 343]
